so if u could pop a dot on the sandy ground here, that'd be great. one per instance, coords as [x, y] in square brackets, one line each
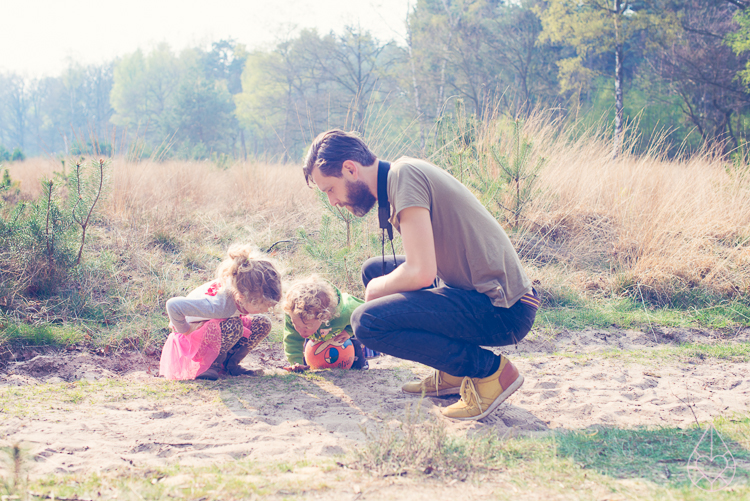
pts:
[569, 383]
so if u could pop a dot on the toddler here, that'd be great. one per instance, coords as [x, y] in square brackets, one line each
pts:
[315, 310]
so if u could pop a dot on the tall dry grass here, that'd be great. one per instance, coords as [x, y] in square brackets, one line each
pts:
[163, 227]
[267, 200]
[655, 228]
[269, 197]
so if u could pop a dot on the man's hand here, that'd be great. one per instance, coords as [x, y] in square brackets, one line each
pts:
[420, 268]
[376, 288]
[297, 368]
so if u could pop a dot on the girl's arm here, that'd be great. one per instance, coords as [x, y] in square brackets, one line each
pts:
[204, 307]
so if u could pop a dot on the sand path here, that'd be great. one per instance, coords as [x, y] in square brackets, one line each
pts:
[83, 412]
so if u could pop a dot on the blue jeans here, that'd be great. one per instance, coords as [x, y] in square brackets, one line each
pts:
[442, 327]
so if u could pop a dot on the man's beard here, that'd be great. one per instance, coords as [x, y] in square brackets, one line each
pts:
[359, 200]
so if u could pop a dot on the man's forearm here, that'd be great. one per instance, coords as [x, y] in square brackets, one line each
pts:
[405, 278]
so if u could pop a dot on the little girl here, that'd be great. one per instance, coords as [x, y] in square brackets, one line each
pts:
[216, 325]
[315, 310]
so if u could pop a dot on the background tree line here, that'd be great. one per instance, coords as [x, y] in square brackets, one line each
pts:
[679, 66]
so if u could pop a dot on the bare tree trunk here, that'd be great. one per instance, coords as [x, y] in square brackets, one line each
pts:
[618, 99]
[446, 49]
[618, 82]
[441, 87]
[415, 88]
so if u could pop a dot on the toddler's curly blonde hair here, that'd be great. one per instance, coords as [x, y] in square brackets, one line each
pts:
[312, 298]
[249, 272]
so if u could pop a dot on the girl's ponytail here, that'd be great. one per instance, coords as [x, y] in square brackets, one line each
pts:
[250, 273]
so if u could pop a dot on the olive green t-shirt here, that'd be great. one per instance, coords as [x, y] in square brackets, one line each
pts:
[472, 250]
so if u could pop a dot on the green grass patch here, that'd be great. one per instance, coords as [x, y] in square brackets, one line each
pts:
[42, 335]
[659, 455]
[689, 352]
[141, 332]
[639, 463]
[228, 481]
[627, 313]
[734, 352]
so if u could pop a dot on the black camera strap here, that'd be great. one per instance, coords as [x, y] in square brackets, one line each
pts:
[384, 210]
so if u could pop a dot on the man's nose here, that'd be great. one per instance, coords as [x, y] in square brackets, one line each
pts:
[332, 200]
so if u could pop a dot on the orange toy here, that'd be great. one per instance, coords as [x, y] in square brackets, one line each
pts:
[329, 354]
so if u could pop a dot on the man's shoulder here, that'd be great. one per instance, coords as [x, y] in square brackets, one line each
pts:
[408, 171]
[417, 168]
[407, 163]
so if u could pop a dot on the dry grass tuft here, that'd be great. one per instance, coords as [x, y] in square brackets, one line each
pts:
[164, 227]
[661, 231]
[645, 225]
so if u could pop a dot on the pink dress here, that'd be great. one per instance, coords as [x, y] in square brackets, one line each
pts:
[185, 356]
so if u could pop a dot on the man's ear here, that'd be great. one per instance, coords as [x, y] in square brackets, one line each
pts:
[350, 170]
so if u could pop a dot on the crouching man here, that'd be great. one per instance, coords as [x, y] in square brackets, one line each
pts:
[459, 287]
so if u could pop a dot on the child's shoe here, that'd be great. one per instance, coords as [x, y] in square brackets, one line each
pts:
[209, 375]
[360, 361]
[481, 396]
[238, 353]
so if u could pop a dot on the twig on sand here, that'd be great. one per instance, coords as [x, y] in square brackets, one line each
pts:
[688, 404]
[57, 498]
[648, 317]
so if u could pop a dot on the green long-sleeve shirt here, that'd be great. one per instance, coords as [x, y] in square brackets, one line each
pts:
[294, 343]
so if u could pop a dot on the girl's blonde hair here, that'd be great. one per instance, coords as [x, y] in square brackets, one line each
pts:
[250, 273]
[312, 298]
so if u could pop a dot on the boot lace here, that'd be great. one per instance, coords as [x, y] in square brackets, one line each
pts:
[470, 395]
[433, 378]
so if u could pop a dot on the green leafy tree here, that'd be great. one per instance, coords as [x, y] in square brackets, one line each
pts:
[225, 61]
[739, 40]
[144, 90]
[482, 51]
[17, 155]
[596, 29]
[224, 64]
[265, 104]
[203, 114]
[689, 84]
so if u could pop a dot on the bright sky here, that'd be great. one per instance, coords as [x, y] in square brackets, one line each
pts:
[38, 36]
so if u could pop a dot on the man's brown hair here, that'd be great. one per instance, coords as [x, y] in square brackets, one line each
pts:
[331, 149]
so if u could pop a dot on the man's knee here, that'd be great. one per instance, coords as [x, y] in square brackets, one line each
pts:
[361, 322]
[356, 322]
